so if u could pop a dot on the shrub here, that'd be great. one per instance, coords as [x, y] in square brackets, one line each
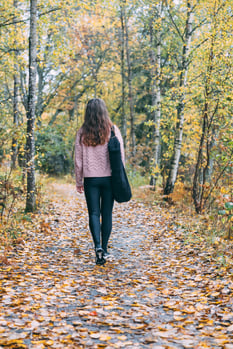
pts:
[54, 155]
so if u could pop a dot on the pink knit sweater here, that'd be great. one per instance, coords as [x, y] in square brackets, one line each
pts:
[93, 161]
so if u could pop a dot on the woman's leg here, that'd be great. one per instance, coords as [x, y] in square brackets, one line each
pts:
[106, 211]
[92, 194]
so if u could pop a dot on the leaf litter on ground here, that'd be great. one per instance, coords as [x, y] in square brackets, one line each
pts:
[158, 291]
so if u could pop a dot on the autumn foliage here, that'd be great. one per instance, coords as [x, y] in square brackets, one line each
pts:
[164, 69]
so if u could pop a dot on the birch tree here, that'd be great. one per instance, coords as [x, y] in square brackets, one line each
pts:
[122, 44]
[129, 78]
[30, 140]
[155, 58]
[215, 152]
[15, 93]
[174, 163]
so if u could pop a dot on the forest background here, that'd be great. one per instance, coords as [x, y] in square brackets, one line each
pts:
[164, 69]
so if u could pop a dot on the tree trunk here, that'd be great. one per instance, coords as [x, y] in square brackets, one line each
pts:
[201, 169]
[156, 90]
[131, 101]
[30, 140]
[15, 97]
[198, 176]
[39, 104]
[123, 115]
[209, 170]
[42, 73]
[180, 107]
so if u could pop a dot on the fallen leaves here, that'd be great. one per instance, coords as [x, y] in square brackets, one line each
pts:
[158, 291]
[18, 343]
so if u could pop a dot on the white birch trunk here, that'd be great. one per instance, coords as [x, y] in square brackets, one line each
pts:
[131, 102]
[15, 97]
[156, 90]
[180, 108]
[123, 115]
[30, 140]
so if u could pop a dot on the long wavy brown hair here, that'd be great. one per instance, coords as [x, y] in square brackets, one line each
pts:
[97, 124]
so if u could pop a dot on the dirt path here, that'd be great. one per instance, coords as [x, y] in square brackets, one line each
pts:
[157, 292]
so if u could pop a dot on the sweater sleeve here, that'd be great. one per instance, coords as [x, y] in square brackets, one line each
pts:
[118, 134]
[78, 163]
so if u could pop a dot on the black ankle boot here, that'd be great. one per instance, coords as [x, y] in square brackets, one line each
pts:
[99, 252]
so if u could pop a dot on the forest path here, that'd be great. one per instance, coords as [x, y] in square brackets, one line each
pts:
[158, 291]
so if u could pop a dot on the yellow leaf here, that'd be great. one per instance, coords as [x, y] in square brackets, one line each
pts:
[215, 294]
[178, 317]
[49, 342]
[190, 310]
[15, 342]
[104, 337]
[95, 335]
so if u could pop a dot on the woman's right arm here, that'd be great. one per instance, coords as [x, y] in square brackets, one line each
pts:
[78, 163]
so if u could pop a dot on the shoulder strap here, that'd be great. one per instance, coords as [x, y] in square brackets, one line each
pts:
[112, 131]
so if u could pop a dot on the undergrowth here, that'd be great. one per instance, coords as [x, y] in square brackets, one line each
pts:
[207, 230]
[14, 222]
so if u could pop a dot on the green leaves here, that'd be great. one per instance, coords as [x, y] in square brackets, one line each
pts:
[227, 217]
[222, 212]
[229, 205]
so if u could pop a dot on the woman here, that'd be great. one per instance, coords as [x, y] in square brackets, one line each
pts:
[93, 172]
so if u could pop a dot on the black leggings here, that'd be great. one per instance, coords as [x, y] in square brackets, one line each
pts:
[98, 192]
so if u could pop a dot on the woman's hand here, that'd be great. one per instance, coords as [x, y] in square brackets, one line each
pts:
[80, 189]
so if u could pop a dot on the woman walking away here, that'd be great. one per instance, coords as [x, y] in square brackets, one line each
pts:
[93, 172]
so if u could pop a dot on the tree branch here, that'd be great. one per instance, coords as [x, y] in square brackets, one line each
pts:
[204, 21]
[175, 25]
[7, 22]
